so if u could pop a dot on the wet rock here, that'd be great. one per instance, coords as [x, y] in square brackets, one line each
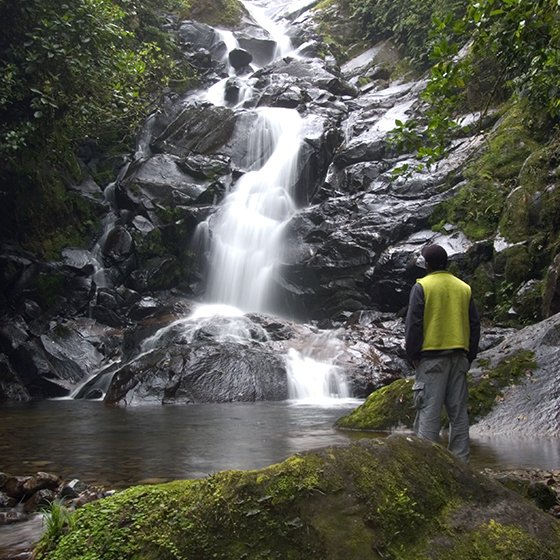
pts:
[161, 179]
[80, 260]
[12, 516]
[211, 373]
[201, 128]
[202, 166]
[258, 43]
[532, 406]
[39, 500]
[198, 34]
[239, 58]
[73, 489]
[11, 386]
[312, 72]
[551, 295]
[232, 89]
[14, 486]
[6, 501]
[41, 481]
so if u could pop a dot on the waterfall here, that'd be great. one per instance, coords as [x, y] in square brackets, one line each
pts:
[313, 376]
[247, 235]
[275, 30]
[312, 381]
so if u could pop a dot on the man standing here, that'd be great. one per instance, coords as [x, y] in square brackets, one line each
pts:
[441, 340]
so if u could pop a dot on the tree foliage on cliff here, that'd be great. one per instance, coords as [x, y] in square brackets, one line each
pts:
[77, 68]
[518, 40]
[408, 22]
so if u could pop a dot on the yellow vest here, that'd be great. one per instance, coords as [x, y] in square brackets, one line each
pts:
[446, 311]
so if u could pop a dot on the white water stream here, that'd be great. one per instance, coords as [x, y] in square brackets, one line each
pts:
[246, 239]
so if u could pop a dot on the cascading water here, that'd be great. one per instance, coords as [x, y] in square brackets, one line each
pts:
[246, 232]
[246, 242]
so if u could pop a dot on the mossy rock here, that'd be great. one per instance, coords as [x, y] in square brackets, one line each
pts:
[399, 498]
[227, 13]
[534, 206]
[489, 382]
[477, 207]
[392, 406]
[387, 408]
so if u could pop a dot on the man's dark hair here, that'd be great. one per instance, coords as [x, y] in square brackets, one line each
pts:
[435, 256]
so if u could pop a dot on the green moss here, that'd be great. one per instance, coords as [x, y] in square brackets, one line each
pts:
[497, 541]
[483, 289]
[518, 265]
[386, 408]
[227, 13]
[487, 388]
[49, 287]
[535, 205]
[392, 406]
[372, 499]
[477, 207]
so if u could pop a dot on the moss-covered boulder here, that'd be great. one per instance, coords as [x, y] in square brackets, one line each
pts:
[396, 498]
[387, 408]
[392, 406]
[512, 389]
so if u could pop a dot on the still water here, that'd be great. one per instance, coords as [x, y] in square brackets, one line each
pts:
[120, 446]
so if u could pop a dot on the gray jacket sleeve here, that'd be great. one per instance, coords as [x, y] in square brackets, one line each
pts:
[414, 327]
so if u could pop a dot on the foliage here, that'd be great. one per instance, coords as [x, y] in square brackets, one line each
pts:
[58, 520]
[408, 22]
[478, 206]
[72, 70]
[520, 38]
[226, 13]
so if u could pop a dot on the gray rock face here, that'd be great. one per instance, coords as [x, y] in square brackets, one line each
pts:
[532, 408]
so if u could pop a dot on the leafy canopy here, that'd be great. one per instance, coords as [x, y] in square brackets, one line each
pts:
[75, 68]
[518, 40]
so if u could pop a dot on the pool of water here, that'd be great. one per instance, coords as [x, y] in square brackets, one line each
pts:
[120, 446]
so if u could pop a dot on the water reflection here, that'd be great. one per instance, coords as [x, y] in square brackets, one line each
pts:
[121, 446]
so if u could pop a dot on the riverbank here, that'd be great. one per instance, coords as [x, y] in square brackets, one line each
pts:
[22, 525]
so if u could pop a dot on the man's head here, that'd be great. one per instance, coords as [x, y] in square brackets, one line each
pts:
[435, 257]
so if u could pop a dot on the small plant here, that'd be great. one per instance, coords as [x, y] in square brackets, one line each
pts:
[58, 520]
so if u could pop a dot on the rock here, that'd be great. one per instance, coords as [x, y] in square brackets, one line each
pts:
[11, 386]
[41, 481]
[551, 294]
[14, 486]
[6, 501]
[399, 496]
[530, 403]
[12, 516]
[73, 489]
[39, 500]
[202, 166]
[240, 58]
[198, 34]
[258, 43]
[161, 180]
[201, 128]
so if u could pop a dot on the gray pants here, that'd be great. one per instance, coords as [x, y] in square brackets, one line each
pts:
[441, 381]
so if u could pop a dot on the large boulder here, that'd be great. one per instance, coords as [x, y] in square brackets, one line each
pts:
[524, 370]
[394, 498]
[200, 127]
[513, 389]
